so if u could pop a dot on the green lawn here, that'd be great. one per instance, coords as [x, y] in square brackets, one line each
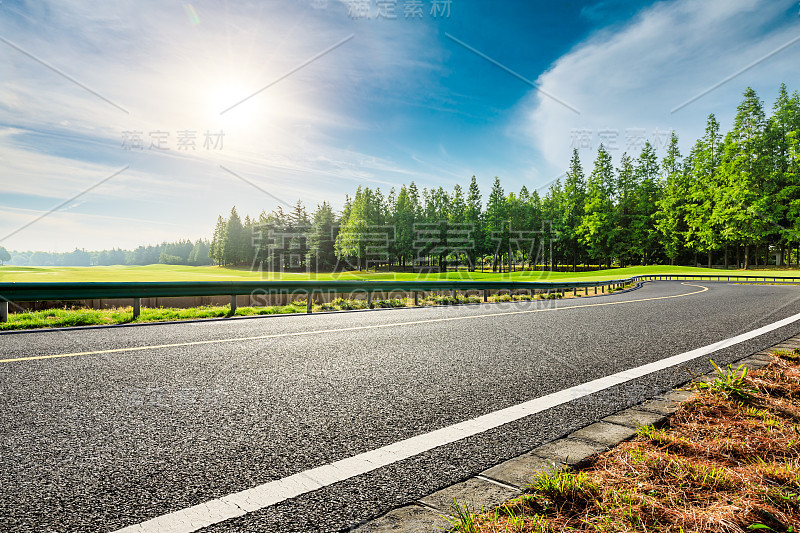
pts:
[188, 273]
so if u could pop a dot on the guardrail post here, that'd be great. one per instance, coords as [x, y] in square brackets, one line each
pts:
[416, 298]
[454, 294]
[3, 312]
[309, 301]
[485, 295]
[233, 303]
[595, 289]
[137, 307]
[369, 299]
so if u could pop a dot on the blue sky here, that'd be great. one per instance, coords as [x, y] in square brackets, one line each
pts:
[397, 100]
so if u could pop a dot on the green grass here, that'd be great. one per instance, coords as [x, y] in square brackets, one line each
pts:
[212, 273]
[71, 317]
[63, 318]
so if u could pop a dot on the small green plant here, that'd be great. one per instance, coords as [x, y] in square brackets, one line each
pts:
[462, 519]
[789, 355]
[730, 383]
[561, 483]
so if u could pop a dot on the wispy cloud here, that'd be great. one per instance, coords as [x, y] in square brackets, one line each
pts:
[630, 79]
[177, 72]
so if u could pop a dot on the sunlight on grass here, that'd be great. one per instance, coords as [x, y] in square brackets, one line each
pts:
[210, 273]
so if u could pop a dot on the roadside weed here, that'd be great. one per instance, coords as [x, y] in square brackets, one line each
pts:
[729, 382]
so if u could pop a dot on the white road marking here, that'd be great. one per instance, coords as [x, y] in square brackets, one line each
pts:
[273, 492]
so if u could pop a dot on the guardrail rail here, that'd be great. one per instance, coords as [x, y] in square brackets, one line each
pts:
[39, 291]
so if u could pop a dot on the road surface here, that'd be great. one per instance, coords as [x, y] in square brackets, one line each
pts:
[107, 428]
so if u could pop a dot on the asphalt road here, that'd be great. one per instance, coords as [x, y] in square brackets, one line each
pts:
[100, 441]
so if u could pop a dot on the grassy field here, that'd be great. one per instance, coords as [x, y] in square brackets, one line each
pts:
[211, 273]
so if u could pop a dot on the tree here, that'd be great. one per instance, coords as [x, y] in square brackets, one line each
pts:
[217, 248]
[647, 195]
[782, 185]
[361, 235]
[705, 188]
[321, 239]
[597, 231]
[573, 209]
[235, 240]
[403, 217]
[496, 222]
[744, 203]
[552, 211]
[4, 255]
[473, 215]
[670, 222]
[625, 248]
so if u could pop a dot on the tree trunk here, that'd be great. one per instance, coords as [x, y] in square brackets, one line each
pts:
[726, 258]
[755, 258]
[738, 256]
[709, 259]
[746, 256]
[696, 264]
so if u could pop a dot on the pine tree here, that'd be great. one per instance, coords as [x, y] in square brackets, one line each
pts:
[597, 229]
[321, 239]
[216, 250]
[574, 204]
[624, 246]
[235, 240]
[403, 219]
[705, 189]
[647, 195]
[744, 202]
[670, 222]
[474, 215]
[496, 222]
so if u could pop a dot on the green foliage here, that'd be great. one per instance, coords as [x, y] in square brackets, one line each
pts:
[730, 383]
[462, 518]
[563, 484]
[597, 229]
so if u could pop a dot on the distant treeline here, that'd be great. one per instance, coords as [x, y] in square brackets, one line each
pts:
[169, 253]
[733, 196]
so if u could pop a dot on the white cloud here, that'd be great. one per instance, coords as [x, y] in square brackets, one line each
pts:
[630, 79]
[147, 57]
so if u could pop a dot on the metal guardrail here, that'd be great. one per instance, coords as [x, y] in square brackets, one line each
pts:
[38, 291]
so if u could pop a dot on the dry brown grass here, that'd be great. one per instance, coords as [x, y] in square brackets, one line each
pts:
[726, 463]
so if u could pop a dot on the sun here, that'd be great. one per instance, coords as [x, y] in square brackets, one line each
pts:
[235, 105]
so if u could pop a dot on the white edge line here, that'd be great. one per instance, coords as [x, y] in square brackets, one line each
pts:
[273, 492]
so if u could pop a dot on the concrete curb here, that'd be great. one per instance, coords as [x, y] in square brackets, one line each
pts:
[506, 481]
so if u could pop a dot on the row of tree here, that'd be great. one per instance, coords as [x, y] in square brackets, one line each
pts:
[732, 195]
[170, 253]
